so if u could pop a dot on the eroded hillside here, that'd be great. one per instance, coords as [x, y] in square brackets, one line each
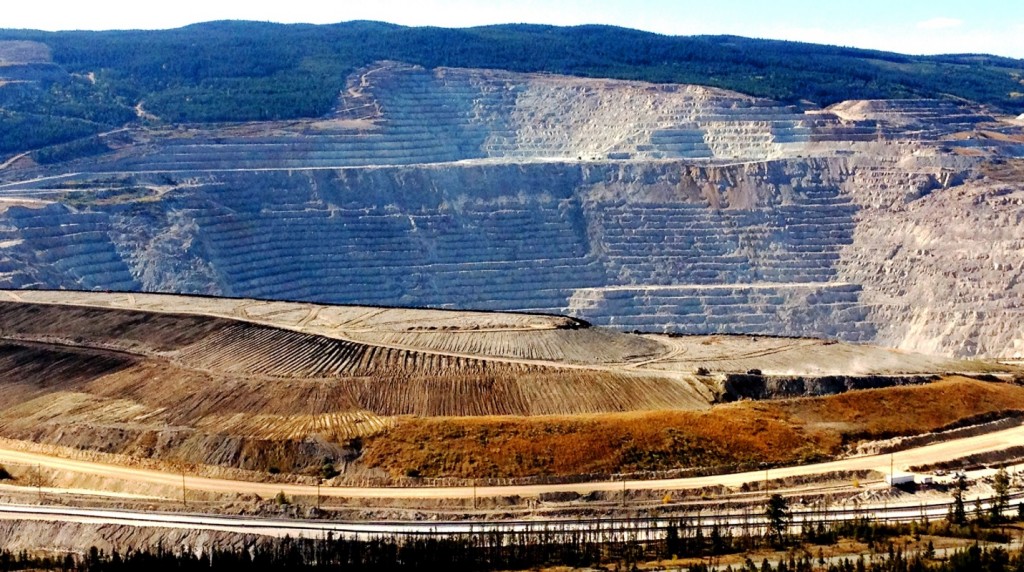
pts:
[646, 207]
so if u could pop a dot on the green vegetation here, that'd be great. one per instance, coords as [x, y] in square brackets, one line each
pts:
[21, 131]
[1001, 500]
[327, 470]
[55, 109]
[958, 515]
[776, 513]
[242, 71]
[84, 147]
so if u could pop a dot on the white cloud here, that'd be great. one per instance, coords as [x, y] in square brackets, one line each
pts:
[939, 23]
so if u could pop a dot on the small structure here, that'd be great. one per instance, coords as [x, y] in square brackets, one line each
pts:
[895, 479]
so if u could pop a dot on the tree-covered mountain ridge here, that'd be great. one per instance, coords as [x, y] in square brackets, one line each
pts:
[57, 87]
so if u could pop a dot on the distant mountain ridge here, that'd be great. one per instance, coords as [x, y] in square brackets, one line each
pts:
[251, 71]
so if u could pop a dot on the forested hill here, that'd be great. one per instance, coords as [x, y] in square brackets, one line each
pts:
[87, 82]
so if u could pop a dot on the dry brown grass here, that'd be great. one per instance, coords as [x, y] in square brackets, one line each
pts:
[1007, 170]
[880, 413]
[788, 431]
[518, 447]
[217, 391]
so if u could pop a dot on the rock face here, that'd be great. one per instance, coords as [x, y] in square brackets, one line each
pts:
[749, 386]
[653, 246]
[400, 115]
[655, 208]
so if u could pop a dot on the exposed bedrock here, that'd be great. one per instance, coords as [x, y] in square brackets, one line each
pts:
[662, 208]
[940, 267]
[755, 386]
[806, 247]
[395, 114]
[750, 247]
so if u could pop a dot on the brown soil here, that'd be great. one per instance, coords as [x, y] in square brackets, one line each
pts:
[213, 390]
[1007, 170]
[212, 387]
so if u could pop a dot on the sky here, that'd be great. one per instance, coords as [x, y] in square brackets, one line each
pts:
[906, 26]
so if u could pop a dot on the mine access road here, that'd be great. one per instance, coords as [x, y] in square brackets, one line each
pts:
[937, 452]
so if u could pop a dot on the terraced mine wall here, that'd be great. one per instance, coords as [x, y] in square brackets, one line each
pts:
[636, 206]
[828, 247]
[652, 246]
[396, 114]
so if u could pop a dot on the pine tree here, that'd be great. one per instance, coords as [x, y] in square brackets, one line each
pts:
[776, 514]
[672, 543]
[1001, 500]
[959, 514]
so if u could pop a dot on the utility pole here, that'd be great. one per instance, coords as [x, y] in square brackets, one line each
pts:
[474, 494]
[39, 481]
[184, 500]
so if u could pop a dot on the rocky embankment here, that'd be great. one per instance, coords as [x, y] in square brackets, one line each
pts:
[756, 386]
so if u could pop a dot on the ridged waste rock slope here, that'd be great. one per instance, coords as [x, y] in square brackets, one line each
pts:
[256, 384]
[659, 208]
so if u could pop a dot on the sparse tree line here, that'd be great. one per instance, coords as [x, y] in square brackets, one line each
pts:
[894, 559]
[623, 549]
[630, 543]
[288, 557]
[495, 551]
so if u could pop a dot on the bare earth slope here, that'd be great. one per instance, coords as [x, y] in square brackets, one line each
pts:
[660, 208]
[255, 384]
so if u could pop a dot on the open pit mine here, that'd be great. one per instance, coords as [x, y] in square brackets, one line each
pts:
[655, 208]
[478, 277]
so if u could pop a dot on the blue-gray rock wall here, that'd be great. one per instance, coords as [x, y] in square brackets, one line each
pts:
[659, 246]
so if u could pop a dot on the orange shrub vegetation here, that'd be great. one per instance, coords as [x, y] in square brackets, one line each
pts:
[787, 431]
[880, 413]
[519, 447]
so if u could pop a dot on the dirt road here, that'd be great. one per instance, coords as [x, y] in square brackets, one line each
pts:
[928, 454]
